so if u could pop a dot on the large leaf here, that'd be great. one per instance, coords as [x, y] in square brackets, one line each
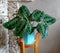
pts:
[23, 29]
[19, 28]
[49, 20]
[37, 15]
[12, 23]
[43, 30]
[28, 27]
[26, 30]
[24, 12]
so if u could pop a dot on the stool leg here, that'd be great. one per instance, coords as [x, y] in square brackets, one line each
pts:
[36, 47]
[22, 47]
[36, 43]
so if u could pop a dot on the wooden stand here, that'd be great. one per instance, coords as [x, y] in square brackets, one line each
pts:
[22, 46]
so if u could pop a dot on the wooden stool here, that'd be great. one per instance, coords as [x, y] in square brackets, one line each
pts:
[22, 46]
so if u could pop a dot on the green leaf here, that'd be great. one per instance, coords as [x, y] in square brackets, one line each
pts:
[24, 12]
[12, 23]
[36, 15]
[28, 27]
[49, 20]
[23, 29]
[43, 30]
[19, 28]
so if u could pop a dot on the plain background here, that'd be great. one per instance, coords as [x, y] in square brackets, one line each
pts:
[52, 7]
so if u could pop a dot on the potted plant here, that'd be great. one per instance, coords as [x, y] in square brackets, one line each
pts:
[22, 27]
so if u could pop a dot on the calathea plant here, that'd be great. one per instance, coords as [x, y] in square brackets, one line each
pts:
[21, 24]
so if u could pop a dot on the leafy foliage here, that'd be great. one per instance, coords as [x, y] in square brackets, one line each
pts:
[24, 12]
[28, 27]
[22, 22]
[45, 19]
[43, 29]
[37, 15]
[12, 23]
[19, 28]
[49, 20]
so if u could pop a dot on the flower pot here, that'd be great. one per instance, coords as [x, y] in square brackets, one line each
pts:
[28, 38]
